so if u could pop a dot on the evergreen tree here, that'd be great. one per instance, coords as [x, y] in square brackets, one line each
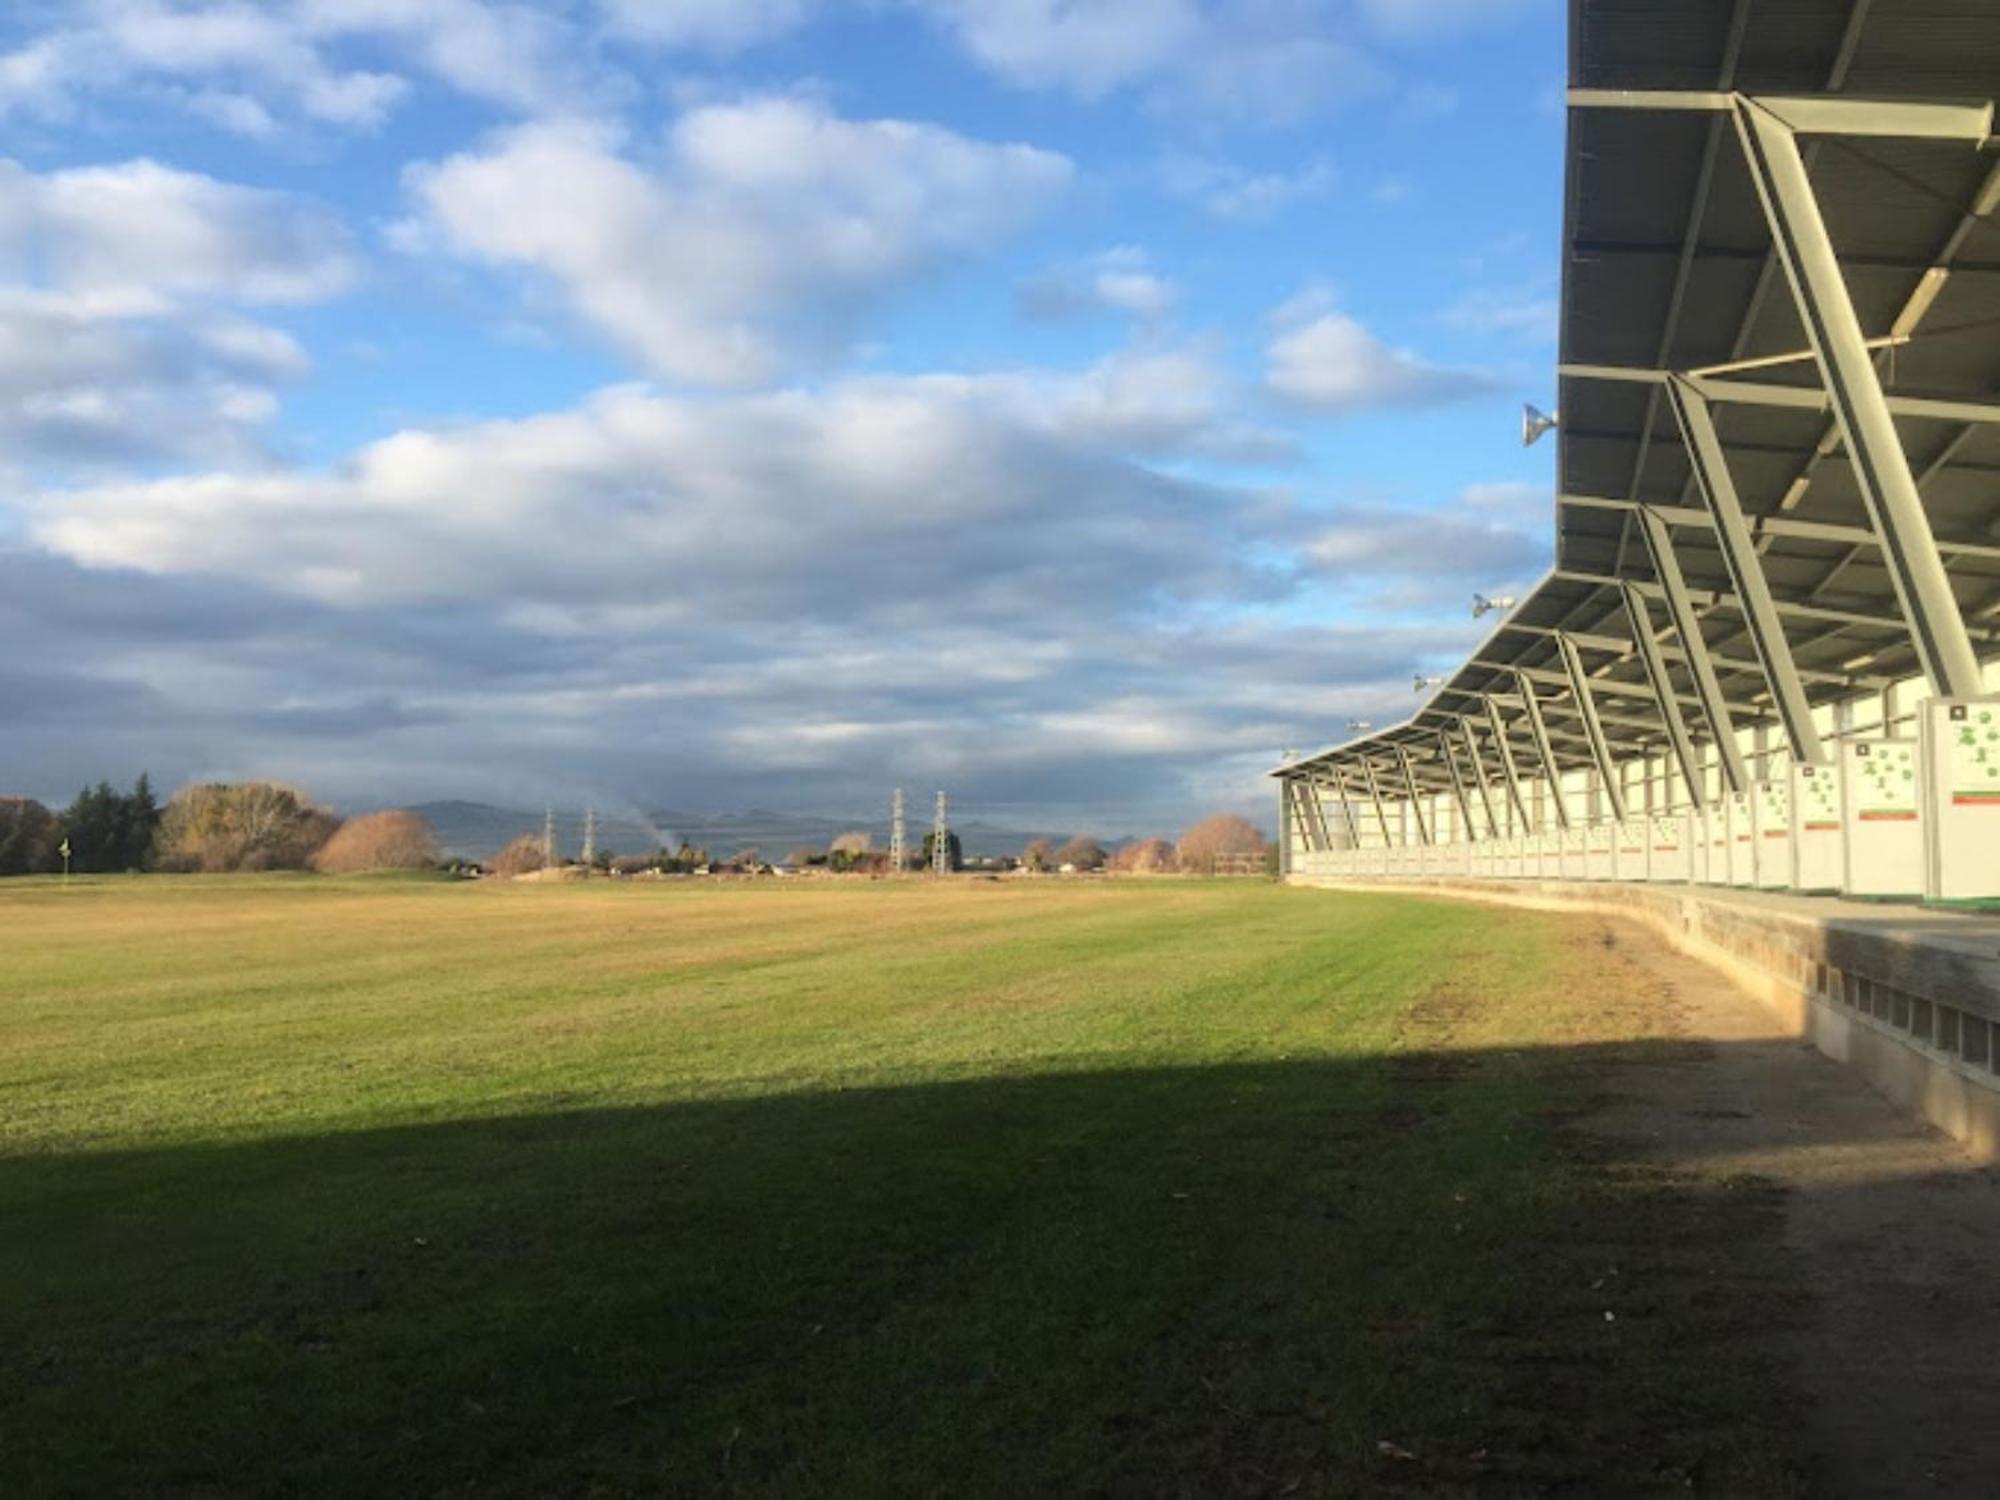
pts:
[91, 823]
[142, 821]
[109, 832]
[954, 852]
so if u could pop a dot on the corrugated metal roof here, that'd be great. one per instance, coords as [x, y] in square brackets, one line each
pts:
[1668, 265]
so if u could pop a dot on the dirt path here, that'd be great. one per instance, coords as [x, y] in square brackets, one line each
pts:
[1890, 1229]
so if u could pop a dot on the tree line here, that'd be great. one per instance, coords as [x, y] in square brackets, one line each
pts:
[211, 827]
[1221, 841]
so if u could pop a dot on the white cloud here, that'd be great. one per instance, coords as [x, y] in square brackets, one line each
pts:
[1331, 363]
[252, 67]
[1529, 314]
[260, 57]
[1150, 400]
[82, 389]
[1086, 47]
[1496, 534]
[708, 25]
[118, 342]
[137, 231]
[1261, 61]
[697, 509]
[1119, 280]
[751, 240]
[1430, 20]
[1239, 195]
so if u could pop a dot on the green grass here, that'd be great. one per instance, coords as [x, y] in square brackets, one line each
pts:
[364, 1187]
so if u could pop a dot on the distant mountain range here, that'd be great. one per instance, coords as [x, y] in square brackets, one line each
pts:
[477, 830]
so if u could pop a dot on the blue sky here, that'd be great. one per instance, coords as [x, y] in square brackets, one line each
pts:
[715, 403]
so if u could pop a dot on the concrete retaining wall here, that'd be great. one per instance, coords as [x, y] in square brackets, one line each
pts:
[1908, 998]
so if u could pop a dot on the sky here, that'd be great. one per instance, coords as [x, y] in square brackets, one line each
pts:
[716, 404]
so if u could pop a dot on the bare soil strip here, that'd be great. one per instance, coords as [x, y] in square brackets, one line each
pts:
[1889, 1229]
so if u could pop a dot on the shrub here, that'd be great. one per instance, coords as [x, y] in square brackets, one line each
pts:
[1147, 857]
[1083, 852]
[393, 840]
[522, 857]
[28, 837]
[1224, 835]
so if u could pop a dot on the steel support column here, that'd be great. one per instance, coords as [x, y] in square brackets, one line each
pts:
[1593, 731]
[1347, 815]
[1479, 777]
[1410, 791]
[1293, 816]
[1881, 468]
[1375, 794]
[1315, 811]
[1458, 787]
[1680, 611]
[1539, 731]
[1746, 571]
[1641, 619]
[1507, 767]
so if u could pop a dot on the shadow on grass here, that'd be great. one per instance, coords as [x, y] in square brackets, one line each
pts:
[1229, 1279]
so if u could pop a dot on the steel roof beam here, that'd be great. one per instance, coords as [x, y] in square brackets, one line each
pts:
[1680, 612]
[1592, 641]
[1375, 796]
[1288, 791]
[1670, 708]
[1479, 777]
[1746, 572]
[1766, 393]
[1663, 249]
[1593, 731]
[1538, 731]
[1415, 811]
[1346, 807]
[1780, 526]
[1464, 803]
[1815, 114]
[1508, 769]
[1769, 135]
[1785, 606]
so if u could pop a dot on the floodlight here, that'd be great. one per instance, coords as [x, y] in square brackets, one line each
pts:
[1534, 422]
[1482, 605]
[1422, 682]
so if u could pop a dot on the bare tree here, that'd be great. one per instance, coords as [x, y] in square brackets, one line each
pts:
[1040, 855]
[393, 840]
[523, 856]
[1081, 852]
[1147, 857]
[1216, 838]
[852, 842]
[250, 825]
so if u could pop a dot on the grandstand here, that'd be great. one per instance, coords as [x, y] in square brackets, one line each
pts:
[1765, 655]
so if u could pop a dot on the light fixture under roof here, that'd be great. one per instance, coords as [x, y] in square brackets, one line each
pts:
[1422, 682]
[1534, 422]
[1482, 605]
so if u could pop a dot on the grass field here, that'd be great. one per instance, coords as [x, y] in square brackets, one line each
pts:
[396, 1188]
